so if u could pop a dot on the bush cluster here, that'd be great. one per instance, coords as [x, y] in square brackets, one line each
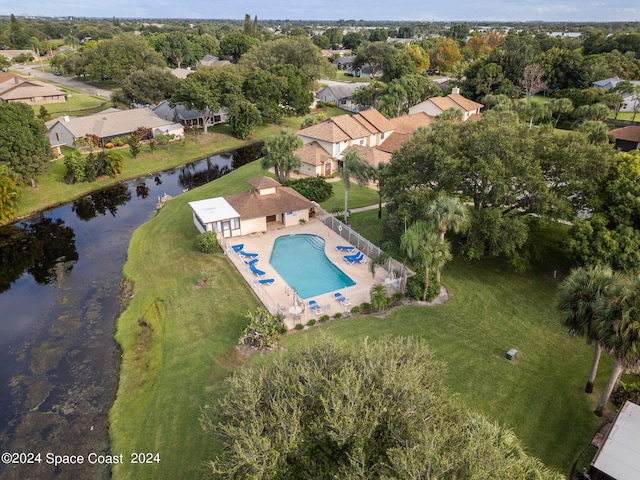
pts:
[415, 286]
[315, 189]
[88, 168]
[208, 243]
[262, 329]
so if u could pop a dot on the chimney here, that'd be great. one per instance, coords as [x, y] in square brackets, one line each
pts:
[65, 118]
[455, 91]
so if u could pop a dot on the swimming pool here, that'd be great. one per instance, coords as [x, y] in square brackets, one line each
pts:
[301, 262]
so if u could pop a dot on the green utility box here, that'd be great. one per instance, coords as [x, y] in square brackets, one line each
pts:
[511, 354]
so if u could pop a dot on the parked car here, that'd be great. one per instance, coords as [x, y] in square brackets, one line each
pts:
[57, 73]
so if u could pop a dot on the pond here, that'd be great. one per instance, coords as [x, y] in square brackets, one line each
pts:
[60, 288]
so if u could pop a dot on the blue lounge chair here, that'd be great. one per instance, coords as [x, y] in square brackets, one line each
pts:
[245, 254]
[351, 259]
[237, 248]
[256, 271]
[265, 281]
[315, 308]
[345, 248]
[253, 261]
[342, 299]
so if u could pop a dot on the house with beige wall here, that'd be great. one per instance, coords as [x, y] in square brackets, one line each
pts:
[434, 106]
[14, 88]
[267, 205]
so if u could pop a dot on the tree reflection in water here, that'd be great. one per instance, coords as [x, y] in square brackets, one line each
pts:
[99, 203]
[45, 248]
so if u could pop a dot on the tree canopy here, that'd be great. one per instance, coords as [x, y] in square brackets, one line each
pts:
[506, 169]
[373, 410]
[146, 87]
[24, 146]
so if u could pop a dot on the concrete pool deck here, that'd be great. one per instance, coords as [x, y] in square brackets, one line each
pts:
[283, 295]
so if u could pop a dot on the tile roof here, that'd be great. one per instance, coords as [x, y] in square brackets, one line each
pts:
[346, 127]
[351, 126]
[264, 182]
[326, 131]
[253, 205]
[443, 103]
[629, 134]
[466, 104]
[394, 142]
[312, 153]
[410, 123]
[14, 89]
[371, 155]
[374, 117]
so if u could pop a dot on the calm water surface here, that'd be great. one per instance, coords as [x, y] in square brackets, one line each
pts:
[60, 291]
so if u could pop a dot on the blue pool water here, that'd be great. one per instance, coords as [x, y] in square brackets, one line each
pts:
[301, 262]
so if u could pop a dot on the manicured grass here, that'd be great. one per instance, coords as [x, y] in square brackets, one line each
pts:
[358, 197]
[178, 344]
[52, 190]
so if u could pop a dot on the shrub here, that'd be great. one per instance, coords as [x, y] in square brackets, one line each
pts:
[323, 318]
[299, 326]
[434, 289]
[75, 165]
[162, 139]
[415, 286]
[208, 243]
[315, 189]
[109, 145]
[119, 141]
[626, 391]
[262, 329]
[379, 297]
[337, 315]
[365, 307]
[311, 322]
[356, 309]
[114, 163]
[397, 297]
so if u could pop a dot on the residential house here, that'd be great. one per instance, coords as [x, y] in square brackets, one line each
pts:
[211, 60]
[618, 455]
[108, 125]
[267, 205]
[434, 106]
[340, 95]
[347, 63]
[631, 102]
[188, 118]
[368, 128]
[373, 136]
[627, 138]
[14, 88]
[403, 129]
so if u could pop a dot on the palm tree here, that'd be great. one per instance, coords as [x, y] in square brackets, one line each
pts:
[423, 246]
[619, 330]
[353, 167]
[576, 303]
[595, 130]
[560, 106]
[446, 213]
[278, 153]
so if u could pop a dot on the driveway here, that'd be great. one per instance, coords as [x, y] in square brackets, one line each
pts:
[36, 71]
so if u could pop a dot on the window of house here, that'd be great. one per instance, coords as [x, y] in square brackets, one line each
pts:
[216, 118]
[32, 99]
[382, 136]
[54, 97]
[57, 137]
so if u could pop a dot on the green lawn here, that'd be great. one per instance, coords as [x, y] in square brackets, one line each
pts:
[178, 344]
[53, 191]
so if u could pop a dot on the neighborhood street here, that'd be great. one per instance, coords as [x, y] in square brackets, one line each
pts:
[37, 71]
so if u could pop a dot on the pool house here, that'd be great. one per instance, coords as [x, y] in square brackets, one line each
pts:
[266, 206]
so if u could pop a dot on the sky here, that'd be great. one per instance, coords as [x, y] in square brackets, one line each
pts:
[408, 10]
